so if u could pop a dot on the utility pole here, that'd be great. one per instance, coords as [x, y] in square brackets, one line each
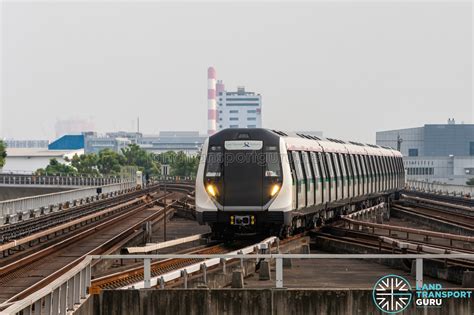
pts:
[164, 219]
[399, 142]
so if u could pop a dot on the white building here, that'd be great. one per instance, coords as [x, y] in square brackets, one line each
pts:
[239, 109]
[442, 153]
[27, 161]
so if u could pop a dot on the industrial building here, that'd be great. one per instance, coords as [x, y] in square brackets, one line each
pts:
[189, 142]
[231, 109]
[435, 152]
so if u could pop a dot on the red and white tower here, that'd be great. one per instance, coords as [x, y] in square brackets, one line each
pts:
[211, 101]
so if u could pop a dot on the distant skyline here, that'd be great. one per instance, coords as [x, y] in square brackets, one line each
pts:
[347, 69]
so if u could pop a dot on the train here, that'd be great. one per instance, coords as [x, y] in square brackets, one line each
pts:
[262, 181]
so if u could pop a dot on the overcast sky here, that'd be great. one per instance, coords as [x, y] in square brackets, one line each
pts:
[348, 69]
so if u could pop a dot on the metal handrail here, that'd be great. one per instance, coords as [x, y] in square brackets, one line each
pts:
[18, 206]
[70, 290]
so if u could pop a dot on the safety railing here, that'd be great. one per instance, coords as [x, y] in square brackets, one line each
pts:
[70, 290]
[37, 180]
[19, 209]
[443, 189]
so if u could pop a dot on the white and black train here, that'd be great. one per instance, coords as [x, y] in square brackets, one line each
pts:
[265, 181]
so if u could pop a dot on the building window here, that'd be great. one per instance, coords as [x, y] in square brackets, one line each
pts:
[252, 126]
[234, 126]
[220, 112]
[412, 152]
[251, 111]
[471, 148]
[233, 112]
[251, 118]
[234, 118]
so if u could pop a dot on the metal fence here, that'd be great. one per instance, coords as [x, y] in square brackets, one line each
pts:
[34, 180]
[14, 210]
[70, 290]
[444, 189]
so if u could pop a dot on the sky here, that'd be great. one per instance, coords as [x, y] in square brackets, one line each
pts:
[348, 69]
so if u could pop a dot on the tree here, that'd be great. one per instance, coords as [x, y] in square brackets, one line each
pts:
[109, 162]
[180, 163]
[470, 182]
[86, 164]
[56, 168]
[3, 153]
[146, 161]
[184, 165]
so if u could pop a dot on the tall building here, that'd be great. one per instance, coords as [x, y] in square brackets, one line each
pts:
[435, 153]
[231, 109]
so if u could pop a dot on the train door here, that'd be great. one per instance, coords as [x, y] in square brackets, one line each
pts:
[337, 167]
[392, 168]
[332, 176]
[377, 172]
[300, 183]
[355, 171]
[326, 183]
[318, 178]
[349, 176]
[309, 179]
[385, 173]
[370, 173]
[362, 178]
[294, 189]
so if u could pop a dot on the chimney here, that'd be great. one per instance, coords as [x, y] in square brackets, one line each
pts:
[211, 101]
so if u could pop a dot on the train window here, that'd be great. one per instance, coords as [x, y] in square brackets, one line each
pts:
[329, 165]
[355, 167]
[379, 167]
[292, 166]
[297, 162]
[350, 171]
[314, 164]
[370, 164]
[306, 164]
[337, 167]
[323, 170]
[214, 164]
[342, 162]
[272, 164]
[362, 165]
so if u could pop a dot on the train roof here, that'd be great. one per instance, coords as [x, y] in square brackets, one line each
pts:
[304, 142]
[301, 141]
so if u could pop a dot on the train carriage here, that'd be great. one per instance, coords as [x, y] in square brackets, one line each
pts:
[265, 181]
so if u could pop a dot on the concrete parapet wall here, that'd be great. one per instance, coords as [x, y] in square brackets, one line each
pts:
[253, 301]
[7, 193]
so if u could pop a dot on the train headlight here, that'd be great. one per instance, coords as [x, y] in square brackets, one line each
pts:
[211, 190]
[275, 189]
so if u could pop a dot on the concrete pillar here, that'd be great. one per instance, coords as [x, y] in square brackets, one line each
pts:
[379, 218]
[305, 249]
[468, 279]
[237, 279]
[264, 272]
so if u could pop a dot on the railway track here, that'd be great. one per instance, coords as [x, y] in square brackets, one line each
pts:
[28, 274]
[443, 214]
[371, 244]
[135, 274]
[468, 202]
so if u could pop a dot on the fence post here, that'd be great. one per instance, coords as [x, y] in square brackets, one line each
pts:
[147, 272]
[419, 272]
[279, 272]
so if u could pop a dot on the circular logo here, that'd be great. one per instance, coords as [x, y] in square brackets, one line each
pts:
[392, 294]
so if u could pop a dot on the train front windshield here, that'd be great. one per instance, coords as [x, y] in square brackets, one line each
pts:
[243, 175]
